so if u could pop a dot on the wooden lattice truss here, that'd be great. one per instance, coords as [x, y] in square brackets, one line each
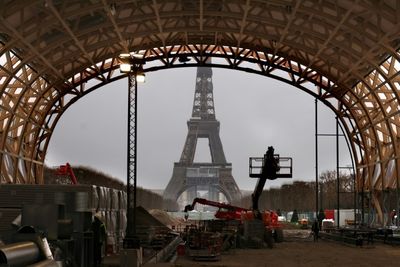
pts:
[346, 53]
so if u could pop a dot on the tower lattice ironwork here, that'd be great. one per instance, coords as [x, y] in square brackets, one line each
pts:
[191, 176]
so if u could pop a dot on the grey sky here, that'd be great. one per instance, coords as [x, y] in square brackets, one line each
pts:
[254, 111]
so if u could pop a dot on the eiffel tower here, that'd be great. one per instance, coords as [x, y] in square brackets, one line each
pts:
[191, 176]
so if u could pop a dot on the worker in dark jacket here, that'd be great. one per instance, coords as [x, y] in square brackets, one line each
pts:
[315, 229]
[321, 217]
[99, 238]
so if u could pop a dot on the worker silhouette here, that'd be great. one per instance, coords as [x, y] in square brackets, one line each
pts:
[321, 217]
[315, 230]
[99, 238]
[271, 166]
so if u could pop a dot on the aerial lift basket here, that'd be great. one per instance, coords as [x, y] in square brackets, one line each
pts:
[285, 166]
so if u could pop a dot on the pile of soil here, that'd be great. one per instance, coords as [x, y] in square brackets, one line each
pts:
[144, 218]
[164, 217]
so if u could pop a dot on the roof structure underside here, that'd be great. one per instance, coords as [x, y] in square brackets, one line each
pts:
[348, 50]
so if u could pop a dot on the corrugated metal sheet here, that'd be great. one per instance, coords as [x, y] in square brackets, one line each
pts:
[78, 203]
[112, 221]
[82, 202]
[122, 200]
[95, 198]
[114, 199]
[122, 220]
[102, 193]
[16, 195]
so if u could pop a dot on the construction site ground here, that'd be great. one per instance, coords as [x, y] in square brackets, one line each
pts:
[299, 249]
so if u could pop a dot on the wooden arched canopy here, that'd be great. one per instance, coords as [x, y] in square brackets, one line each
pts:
[346, 53]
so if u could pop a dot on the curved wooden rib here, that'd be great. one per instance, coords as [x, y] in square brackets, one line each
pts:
[348, 50]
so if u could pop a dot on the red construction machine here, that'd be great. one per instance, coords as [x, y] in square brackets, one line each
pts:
[66, 170]
[271, 166]
[225, 211]
[229, 212]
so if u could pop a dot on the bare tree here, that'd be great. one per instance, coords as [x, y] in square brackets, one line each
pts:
[300, 195]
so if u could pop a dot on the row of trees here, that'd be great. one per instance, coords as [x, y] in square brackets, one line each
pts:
[298, 195]
[301, 195]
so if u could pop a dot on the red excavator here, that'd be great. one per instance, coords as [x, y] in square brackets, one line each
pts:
[66, 170]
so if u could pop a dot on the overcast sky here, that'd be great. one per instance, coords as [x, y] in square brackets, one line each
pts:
[254, 111]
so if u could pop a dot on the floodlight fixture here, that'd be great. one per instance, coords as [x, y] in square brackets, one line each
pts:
[125, 67]
[140, 77]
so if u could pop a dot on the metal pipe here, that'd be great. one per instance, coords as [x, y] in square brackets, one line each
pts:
[128, 182]
[19, 254]
[135, 158]
[337, 173]
[362, 201]
[316, 158]
[354, 176]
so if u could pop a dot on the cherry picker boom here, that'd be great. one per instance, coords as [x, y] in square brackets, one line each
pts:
[270, 167]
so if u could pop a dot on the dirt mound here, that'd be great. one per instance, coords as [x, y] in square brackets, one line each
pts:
[164, 217]
[144, 218]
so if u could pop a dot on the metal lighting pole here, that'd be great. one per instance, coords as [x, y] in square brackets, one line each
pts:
[337, 174]
[316, 158]
[131, 240]
[131, 66]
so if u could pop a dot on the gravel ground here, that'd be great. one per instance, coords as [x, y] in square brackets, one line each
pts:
[300, 250]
